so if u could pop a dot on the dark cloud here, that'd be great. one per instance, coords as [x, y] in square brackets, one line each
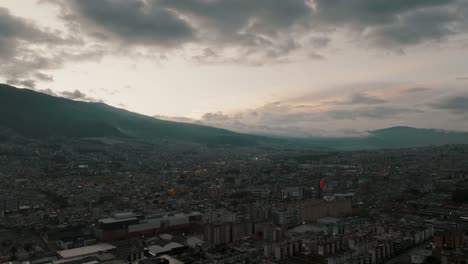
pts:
[315, 56]
[347, 111]
[455, 104]
[362, 98]
[228, 31]
[384, 112]
[237, 122]
[363, 13]
[26, 49]
[270, 13]
[319, 42]
[44, 77]
[417, 90]
[90, 53]
[78, 95]
[215, 117]
[134, 22]
[243, 20]
[207, 56]
[286, 115]
[23, 83]
[72, 95]
[268, 121]
[414, 28]
[46, 91]
[13, 29]
[260, 31]
[393, 24]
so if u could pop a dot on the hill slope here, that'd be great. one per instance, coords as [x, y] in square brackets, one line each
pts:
[38, 115]
[34, 114]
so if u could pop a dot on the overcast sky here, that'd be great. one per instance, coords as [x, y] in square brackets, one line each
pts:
[284, 67]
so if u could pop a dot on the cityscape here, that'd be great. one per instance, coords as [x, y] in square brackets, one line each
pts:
[233, 132]
[80, 201]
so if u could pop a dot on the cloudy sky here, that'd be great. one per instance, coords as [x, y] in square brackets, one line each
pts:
[284, 67]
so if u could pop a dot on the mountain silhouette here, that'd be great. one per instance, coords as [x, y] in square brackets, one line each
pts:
[33, 114]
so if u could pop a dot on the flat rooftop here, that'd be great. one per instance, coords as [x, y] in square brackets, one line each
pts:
[83, 251]
[115, 220]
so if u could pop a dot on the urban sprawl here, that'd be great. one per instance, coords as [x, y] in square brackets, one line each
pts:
[93, 201]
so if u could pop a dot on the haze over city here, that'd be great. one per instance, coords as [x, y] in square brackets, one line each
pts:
[291, 68]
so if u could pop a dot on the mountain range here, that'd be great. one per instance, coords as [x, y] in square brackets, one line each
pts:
[393, 137]
[38, 115]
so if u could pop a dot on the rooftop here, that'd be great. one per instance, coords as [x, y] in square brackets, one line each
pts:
[114, 220]
[83, 251]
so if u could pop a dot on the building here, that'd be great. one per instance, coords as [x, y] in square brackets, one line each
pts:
[272, 233]
[286, 217]
[241, 230]
[312, 209]
[221, 215]
[126, 225]
[329, 247]
[452, 239]
[217, 233]
[293, 193]
[225, 232]
[282, 250]
[115, 227]
[85, 251]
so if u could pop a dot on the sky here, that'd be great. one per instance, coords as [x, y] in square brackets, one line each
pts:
[290, 67]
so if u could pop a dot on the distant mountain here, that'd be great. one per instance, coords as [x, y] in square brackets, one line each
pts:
[38, 115]
[393, 137]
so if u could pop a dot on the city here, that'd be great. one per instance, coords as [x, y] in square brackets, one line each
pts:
[89, 200]
[233, 132]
